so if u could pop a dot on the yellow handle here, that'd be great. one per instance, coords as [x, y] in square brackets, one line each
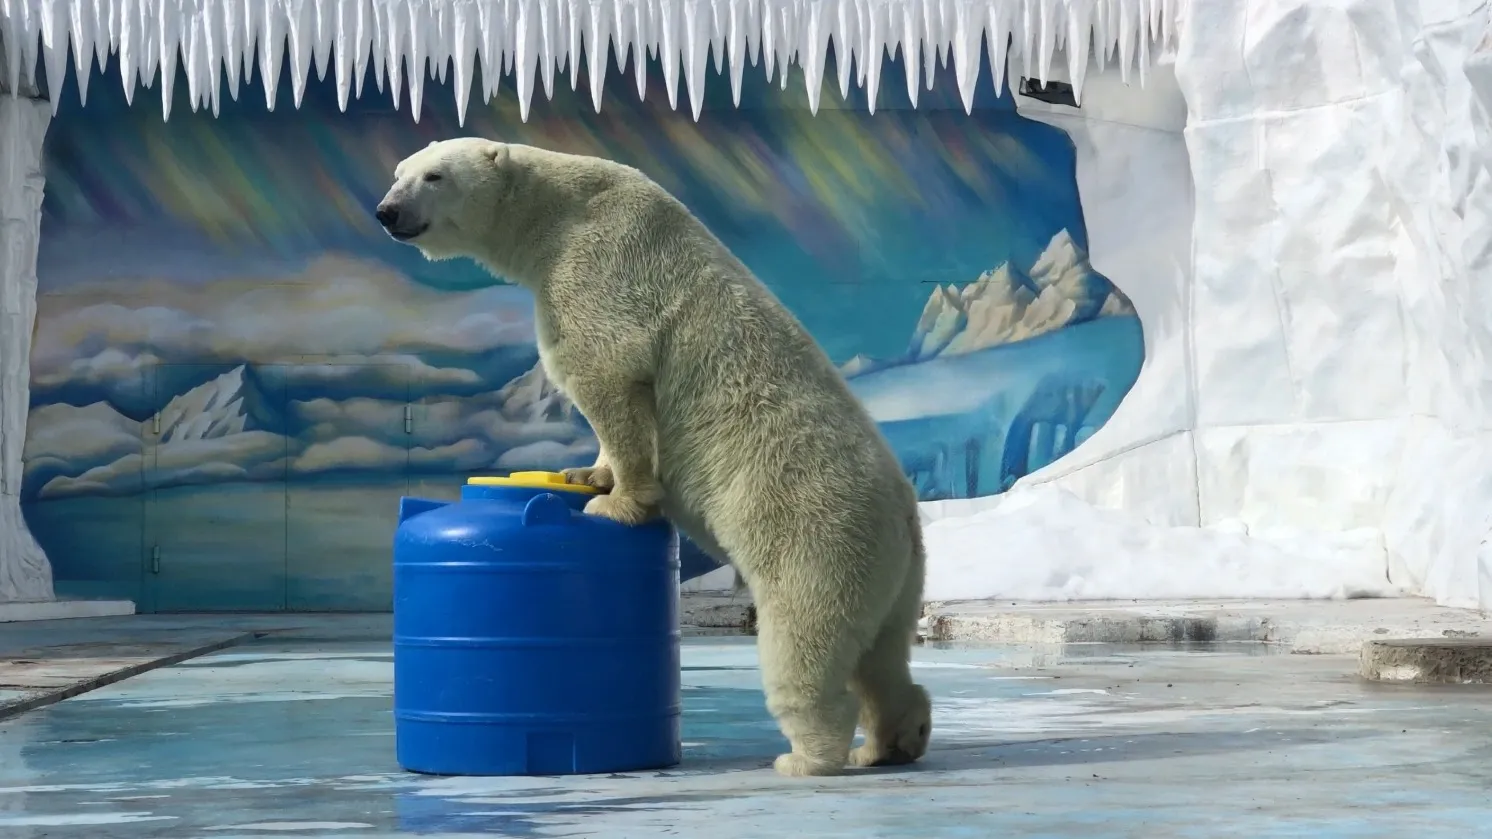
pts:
[534, 480]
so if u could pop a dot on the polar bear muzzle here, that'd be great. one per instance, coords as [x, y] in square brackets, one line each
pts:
[399, 222]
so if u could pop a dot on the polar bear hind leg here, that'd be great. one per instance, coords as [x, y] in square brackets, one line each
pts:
[895, 712]
[806, 666]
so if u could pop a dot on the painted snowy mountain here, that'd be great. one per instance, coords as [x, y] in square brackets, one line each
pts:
[533, 401]
[1005, 305]
[532, 397]
[217, 431]
[860, 364]
[229, 404]
[226, 430]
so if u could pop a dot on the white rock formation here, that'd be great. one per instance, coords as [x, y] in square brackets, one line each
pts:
[1314, 296]
[1058, 547]
[25, 573]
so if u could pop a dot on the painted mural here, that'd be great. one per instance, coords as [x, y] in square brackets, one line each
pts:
[236, 374]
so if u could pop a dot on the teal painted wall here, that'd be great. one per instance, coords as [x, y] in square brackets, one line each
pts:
[225, 275]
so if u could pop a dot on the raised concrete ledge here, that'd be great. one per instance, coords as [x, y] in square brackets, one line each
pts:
[1428, 661]
[1322, 627]
[1307, 627]
[46, 662]
[717, 611]
[51, 610]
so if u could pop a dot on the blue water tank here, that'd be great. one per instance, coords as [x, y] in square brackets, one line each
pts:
[530, 638]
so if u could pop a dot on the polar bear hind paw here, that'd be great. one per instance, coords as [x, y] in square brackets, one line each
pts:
[902, 743]
[868, 755]
[792, 765]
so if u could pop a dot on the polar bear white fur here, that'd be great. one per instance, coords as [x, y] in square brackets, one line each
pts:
[714, 407]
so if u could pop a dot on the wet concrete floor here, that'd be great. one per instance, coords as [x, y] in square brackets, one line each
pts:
[292, 735]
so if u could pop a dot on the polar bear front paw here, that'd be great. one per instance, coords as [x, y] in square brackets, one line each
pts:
[622, 508]
[599, 477]
[793, 765]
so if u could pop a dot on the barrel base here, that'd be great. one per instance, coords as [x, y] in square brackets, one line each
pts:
[434, 748]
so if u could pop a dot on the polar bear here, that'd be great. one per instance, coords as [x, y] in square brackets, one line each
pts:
[714, 408]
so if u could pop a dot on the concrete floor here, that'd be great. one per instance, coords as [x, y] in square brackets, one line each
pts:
[292, 736]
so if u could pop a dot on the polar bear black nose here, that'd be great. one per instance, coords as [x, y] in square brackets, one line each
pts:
[387, 216]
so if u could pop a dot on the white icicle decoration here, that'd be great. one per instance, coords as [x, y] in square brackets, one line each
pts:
[233, 43]
[344, 48]
[597, 42]
[410, 41]
[968, 33]
[665, 19]
[302, 35]
[83, 25]
[464, 37]
[697, 23]
[813, 54]
[548, 45]
[416, 66]
[877, 30]
[524, 54]
[845, 31]
[911, 48]
[573, 17]
[54, 43]
[736, 45]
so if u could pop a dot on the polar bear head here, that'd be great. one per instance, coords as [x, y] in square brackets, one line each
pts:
[446, 197]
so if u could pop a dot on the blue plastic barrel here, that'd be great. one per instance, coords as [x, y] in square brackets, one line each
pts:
[530, 638]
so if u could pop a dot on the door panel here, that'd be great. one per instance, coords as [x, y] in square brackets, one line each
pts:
[345, 486]
[214, 475]
[88, 508]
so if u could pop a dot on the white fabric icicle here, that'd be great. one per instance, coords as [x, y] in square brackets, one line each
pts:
[529, 41]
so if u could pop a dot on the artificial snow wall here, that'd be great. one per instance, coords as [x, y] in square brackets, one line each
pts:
[1315, 390]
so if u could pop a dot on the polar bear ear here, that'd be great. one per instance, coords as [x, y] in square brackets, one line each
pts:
[499, 153]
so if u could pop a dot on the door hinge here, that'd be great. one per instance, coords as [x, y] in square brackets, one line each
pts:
[155, 559]
[408, 419]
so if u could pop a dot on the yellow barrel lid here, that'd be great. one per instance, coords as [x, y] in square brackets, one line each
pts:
[554, 481]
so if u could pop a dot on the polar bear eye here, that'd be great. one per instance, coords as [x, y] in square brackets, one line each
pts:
[432, 177]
